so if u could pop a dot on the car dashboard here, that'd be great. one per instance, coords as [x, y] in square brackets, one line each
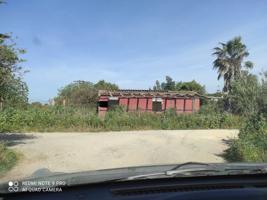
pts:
[230, 187]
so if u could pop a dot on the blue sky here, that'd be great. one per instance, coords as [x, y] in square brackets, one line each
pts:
[129, 42]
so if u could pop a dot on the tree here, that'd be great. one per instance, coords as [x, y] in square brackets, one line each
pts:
[244, 95]
[103, 85]
[263, 101]
[179, 86]
[13, 90]
[230, 61]
[82, 93]
[77, 93]
[157, 86]
[36, 104]
[168, 85]
[190, 86]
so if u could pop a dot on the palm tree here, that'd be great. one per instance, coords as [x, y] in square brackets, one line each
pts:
[230, 61]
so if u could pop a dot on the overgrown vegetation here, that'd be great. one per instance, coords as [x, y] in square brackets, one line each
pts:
[82, 93]
[59, 118]
[13, 90]
[245, 96]
[171, 85]
[8, 158]
[251, 145]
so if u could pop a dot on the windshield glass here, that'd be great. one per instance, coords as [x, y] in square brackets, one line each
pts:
[94, 85]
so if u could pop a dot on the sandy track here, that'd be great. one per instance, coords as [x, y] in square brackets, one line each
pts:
[71, 152]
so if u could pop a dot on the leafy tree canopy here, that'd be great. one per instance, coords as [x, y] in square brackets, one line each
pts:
[82, 93]
[190, 86]
[168, 85]
[229, 61]
[244, 95]
[263, 102]
[103, 85]
[13, 90]
[77, 93]
[171, 85]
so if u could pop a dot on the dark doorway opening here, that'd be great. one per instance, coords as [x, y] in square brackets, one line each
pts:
[157, 106]
[103, 104]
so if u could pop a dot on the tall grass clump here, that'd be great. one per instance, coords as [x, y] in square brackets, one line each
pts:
[118, 119]
[8, 158]
[46, 118]
[59, 118]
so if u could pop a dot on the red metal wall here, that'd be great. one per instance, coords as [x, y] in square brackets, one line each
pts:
[149, 104]
[188, 105]
[170, 103]
[197, 104]
[132, 104]
[181, 105]
[142, 104]
[123, 101]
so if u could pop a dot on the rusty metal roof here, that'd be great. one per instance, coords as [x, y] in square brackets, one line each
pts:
[146, 93]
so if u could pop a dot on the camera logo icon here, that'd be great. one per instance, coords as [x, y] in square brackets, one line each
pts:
[13, 186]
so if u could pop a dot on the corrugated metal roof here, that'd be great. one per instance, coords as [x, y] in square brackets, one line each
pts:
[147, 93]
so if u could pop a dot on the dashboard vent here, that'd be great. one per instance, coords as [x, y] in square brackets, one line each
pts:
[170, 188]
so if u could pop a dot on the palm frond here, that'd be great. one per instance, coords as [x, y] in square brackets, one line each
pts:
[248, 65]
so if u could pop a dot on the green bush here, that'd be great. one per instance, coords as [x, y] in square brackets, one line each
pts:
[251, 145]
[211, 107]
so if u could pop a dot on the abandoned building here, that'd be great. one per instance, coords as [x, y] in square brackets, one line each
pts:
[148, 101]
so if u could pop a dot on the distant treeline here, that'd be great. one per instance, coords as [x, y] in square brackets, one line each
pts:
[84, 93]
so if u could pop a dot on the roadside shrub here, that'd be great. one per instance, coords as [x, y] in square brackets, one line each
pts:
[233, 154]
[210, 107]
[8, 158]
[251, 145]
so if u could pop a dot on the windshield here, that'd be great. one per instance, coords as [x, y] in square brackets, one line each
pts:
[95, 85]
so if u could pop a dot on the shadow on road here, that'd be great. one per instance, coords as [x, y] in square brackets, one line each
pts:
[12, 139]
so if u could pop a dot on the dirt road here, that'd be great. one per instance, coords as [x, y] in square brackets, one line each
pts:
[70, 152]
